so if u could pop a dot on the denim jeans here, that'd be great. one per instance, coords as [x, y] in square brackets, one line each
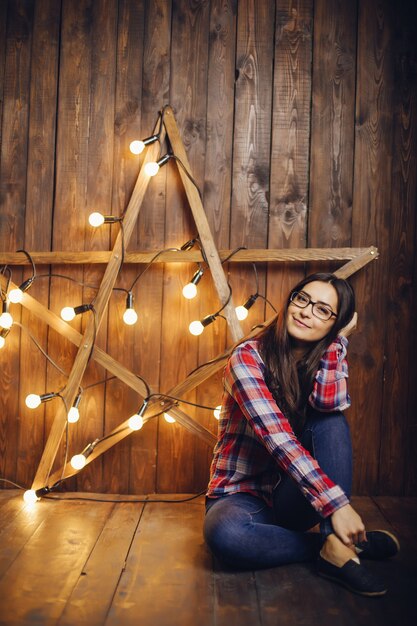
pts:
[243, 531]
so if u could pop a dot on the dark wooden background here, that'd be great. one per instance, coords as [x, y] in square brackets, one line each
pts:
[299, 120]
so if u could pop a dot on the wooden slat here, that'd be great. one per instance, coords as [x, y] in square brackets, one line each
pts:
[230, 585]
[166, 553]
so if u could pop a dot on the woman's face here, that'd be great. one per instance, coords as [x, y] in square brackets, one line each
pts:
[302, 324]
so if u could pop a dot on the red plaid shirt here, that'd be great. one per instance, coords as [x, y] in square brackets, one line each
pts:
[255, 440]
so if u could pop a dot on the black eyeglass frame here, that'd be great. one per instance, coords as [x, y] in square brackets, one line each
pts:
[313, 304]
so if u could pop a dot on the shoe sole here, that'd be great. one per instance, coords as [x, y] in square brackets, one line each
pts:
[361, 593]
[393, 537]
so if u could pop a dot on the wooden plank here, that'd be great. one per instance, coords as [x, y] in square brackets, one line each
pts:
[235, 597]
[14, 145]
[290, 140]
[50, 563]
[371, 202]
[168, 553]
[92, 596]
[181, 256]
[398, 469]
[3, 24]
[39, 210]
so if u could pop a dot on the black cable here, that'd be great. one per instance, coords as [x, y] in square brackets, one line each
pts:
[233, 253]
[180, 400]
[150, 263]
[45, 354]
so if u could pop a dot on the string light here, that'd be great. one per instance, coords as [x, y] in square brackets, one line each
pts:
[168, 418]
[68, 312]
[130, 316]
[152, 168]
[6, 320]
[216, 412]
[33, 400]
[74, 414]
[3, 334]
[189, 290]
[197, 327]
[138, 145]
[136, 421]
[16, 295]
[79, 461]
[243, 310]
[97, 219]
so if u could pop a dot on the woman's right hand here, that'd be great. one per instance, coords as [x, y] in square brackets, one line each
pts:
[348, 525]
[350, 327]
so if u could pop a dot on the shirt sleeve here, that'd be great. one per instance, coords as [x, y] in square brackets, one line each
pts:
[330, 391]
[244, 380]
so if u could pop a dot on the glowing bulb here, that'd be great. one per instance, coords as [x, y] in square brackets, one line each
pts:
[73, 415]
[78, 461]
[217, 412]
[189, 291]
[151, 168]
[6, 320]
[168, 418]
[33, 401]
[2, 342]
[67, 313]
[30, 496]
[241, 312]
[135, 422]
[196, 328]
[96, 219]
[130, 317]
[15, 295]
[137, 147]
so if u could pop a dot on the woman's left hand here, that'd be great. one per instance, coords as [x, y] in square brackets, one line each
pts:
[349, 328]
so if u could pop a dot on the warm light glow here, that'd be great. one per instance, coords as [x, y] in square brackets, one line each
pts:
[33, 401]
[217, 412]
[6, 320]
[67, 313]
[241, 312]
[2, 342]
[15, 295]
[137, 147]
[168, 418]
[189, 291]
[151, 168]
[96, 219]
[78, 461]
[30, 496]
[135, 422]
[130, 317]
[196, 328]
[73, 415]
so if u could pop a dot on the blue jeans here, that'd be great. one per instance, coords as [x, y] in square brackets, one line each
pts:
[243, 531]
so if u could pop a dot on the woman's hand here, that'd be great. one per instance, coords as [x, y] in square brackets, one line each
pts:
[348, 525]
[349, 328]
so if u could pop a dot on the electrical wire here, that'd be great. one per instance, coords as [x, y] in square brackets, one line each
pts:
[45, 354]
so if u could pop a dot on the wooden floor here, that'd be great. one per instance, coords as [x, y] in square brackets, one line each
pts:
[74, 562]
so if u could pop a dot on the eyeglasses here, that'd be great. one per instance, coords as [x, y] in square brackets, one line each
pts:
[320, 310]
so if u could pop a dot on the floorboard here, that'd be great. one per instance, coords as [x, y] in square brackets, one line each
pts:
[74, 562]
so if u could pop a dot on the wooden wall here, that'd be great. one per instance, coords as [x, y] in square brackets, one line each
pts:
[299, 120]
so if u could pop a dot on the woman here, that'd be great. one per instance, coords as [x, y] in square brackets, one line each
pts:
[282, 465]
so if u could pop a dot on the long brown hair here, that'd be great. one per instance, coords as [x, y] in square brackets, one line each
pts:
[291, 382]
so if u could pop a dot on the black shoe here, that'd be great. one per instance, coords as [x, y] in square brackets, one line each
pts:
[380, 544]
[354, 577]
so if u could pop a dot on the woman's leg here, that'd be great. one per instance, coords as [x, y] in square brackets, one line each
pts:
[240, 530]
[327, 437]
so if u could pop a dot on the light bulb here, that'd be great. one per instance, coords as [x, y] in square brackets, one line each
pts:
[135, 422]
[73, 415]
[241, 312]
[2, 342]
[33, 401]
[96, 219]
[67, 313]
[168, 418]
[189, 291]
[6, 320]
[15, 295]
[137, 147]
[130, 317]
[78, 461]
[196, 328]
[30, 496]
[151, 168]
[216, 412]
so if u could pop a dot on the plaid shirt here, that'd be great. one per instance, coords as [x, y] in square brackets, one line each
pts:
[255, 440]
